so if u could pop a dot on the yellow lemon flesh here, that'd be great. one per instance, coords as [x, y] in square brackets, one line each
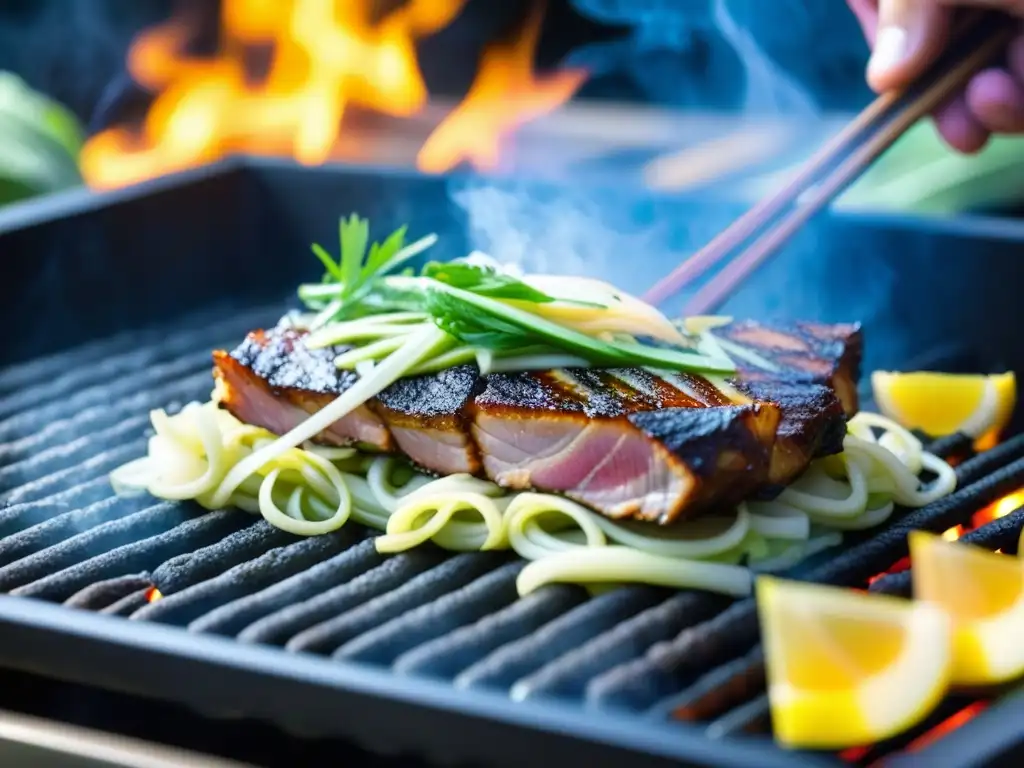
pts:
[983, 594]
[943, 403]
[847, 668]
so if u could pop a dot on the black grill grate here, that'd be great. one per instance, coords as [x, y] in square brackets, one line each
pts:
[67, 420]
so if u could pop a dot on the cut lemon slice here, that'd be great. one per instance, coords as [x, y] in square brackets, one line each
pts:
[847, 668]
[943, 403]
[983, 593]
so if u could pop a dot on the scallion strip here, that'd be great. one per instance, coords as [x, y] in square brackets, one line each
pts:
[537, 363]
[374, 351]
[597, 351]
[449, 359]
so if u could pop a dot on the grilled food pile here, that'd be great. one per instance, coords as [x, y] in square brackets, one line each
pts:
[627, 443]
[475, 407]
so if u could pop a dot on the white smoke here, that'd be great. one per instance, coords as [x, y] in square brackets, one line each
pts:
[587, 234]
[769, 89]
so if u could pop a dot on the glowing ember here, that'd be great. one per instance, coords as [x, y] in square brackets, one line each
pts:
[953, 533]
[901, 565]
[951, 723]
[324, 57]
[153, 594]
[853, 754]
[504, 95]
[1001, 508]
[994, 511]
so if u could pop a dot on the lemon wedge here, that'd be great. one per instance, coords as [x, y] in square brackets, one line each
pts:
[847, 668]
[983, 594]
[943, 403]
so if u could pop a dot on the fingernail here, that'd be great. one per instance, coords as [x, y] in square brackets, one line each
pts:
[890, 49]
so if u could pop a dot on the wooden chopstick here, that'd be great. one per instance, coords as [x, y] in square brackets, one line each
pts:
[833, 167]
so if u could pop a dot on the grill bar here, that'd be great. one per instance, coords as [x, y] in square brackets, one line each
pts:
[681, 656]
[668, 667]
[1003, 534]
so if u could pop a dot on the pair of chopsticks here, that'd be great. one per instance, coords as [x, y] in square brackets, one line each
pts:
[979, 39]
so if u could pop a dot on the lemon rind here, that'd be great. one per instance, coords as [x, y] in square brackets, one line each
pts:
[881, 701]
[987, 414]
[999, 639]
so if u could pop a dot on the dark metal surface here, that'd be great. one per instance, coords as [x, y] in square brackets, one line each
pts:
[40, 743]
[324, 636]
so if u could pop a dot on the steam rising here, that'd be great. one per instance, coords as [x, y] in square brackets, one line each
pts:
[631, 239]
[769, 88]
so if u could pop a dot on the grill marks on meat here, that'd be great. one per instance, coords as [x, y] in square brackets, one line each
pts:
[624, 442]
[804, 353]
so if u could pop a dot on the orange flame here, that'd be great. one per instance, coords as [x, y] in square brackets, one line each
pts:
[994, 511]
[504, 95]
[153, 594]
[325, 56]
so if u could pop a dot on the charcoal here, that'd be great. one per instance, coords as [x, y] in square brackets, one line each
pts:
[388, 640]
[102, 539]
[204, 563]
[752, 717]
[340, 571]
[145, 553]
[716, 692]
[570, 675]
[518, 659]
[18, 517]
[53, 531]
[128, 604]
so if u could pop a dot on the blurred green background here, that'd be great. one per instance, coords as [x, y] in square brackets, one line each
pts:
[40, 142]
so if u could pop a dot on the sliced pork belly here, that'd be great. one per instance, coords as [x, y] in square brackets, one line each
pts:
[625, 443]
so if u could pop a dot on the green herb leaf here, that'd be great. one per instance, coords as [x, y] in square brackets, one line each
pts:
[354, 235]
[382, 253]
[351, 279]
[461, 320]
[333, 272]
[481, 321]
[484, 281]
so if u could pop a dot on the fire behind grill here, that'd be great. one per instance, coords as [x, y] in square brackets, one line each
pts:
[329, 638]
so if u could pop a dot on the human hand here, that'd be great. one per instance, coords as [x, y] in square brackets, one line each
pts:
[907, 35]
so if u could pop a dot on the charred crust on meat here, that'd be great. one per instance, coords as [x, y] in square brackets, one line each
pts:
[529, 391]
[701, 436]
[280, 358]
[595, 394]
[813, 340]
[729, 447]
[809, 412]
[804, 352]
[438, 394]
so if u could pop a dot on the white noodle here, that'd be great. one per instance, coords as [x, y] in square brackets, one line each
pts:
[203, 452]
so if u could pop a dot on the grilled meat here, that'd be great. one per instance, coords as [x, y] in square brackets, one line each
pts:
[273, 381]
[803, 353]
[625, 442]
